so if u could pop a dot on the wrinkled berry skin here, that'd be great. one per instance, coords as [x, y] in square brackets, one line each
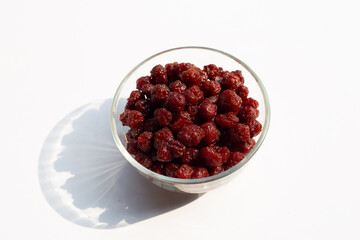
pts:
[191, 135]
[132, 118]
[207, 111]
[175, 102]
[190, 123]
[159, 94]
[229, 101]
[212, 134]
[210, 157]
[163, 117]
[145, 141]
[158, 74]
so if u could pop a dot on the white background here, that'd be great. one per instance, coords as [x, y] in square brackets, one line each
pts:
[58, 56]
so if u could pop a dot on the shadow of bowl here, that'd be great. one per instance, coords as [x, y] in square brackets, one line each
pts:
[87, 181]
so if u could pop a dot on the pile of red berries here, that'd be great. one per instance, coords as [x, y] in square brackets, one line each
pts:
[190, 123]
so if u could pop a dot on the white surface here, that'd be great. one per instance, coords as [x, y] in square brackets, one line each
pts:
[59, 56]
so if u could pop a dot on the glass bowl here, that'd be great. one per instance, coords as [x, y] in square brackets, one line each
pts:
[199, 56]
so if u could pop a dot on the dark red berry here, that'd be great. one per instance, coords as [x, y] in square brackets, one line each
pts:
[212, 134]
[216, 170]
[144, 106]
[191, 156]
[159, 94]
[133, 98]
[175, 102]
[211, 88]
[224, 151]
[158, 167]
[145, 141]
[143, 159]
[239, 133]
[200, 172]
[250, 102]
[210, 157]
[177, 86]
[229, 101]
[193, 95]
[171, 168]
[212, 71]
[191, 135]
[207, 111]
[235, 158]
[247, 113]
[176, 148]
[184, 171]
[132, 146]
[227, 120]
[163, 155]
[238, 73]
[231, 81]
[146, 89]
[162, 138]
[193, 110]
[182, 118]
[151, 125]
[173, 71]
[158, 74]
[242, 91]
[132, 118]
[142, 81]
[162, 116]
[133, 133]
[192, 76]
[212, 99]
[255, 127]
[244, 147]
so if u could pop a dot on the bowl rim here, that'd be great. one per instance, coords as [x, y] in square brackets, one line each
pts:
[171, 180]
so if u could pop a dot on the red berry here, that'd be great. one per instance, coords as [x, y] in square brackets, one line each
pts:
[176, 148]
[210, 157]
[191, 156]
[158, 74]
[238, 73]
[132, 118]
[244, 147]
[193, 95]
[229, 101]
[184, 171]
[177, 86]
[192, 76]
[183, 118]
[242, 91]
[227, 120]
[239, 133]
[163, 155]
[212, 71]
[175, 102]
[231, 81]
[171, 169]
[235, 158]
[191, 135]
[159, 94]
[247, 113]
[173, 71]
[216, 170]
[207, 111]
[142, 81]
[145, 141]
[211, 88]
[143, 159]
[162, 138]
[250, 102]
[212, 134]
[200, 172]
[158, 167]
[162, 116]
[132, 146]
[134, 96]
[255, 127]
